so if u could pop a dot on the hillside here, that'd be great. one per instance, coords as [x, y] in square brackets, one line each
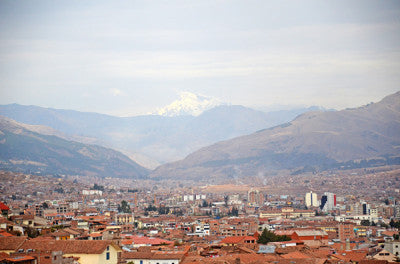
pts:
[41, 150]
[151, 139]
[365, 136]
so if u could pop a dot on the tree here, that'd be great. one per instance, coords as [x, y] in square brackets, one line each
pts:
[365, 222]
[98, 187]
[226, 199]
[59, 190]
[163, 210]
[45, 205]
[31, 232]
[205, 204]
[268, 236]
[234, 212]
[124, 207]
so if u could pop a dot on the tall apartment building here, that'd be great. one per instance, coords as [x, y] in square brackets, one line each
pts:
[328, 201]
[311, 199]
[255, 197]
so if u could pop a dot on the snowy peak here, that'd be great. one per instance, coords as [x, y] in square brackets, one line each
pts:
[188, 104]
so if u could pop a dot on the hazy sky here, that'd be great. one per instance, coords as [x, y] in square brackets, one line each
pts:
[130, 57]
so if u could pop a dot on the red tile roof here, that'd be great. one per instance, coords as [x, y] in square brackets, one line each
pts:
[137, 240]
[4, 207]
[152, 255]
[11, 243]
[295, 255]
[236, 239]
[19, 259]
[70, 246]
[4, 233]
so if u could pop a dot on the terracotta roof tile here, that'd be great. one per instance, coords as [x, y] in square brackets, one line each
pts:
[4, 207]
[69, 246]
[295, 255]
[11, 243]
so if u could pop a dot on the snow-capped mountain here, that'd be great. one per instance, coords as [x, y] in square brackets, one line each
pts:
[188, 104]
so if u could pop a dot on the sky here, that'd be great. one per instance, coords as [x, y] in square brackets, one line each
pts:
[133, 57]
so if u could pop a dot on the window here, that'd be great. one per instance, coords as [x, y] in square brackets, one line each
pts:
[141, 262]
[107, 255]
[108, 248]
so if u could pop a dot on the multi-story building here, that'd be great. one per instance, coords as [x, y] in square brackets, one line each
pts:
[328, 201]
[255, 197]
[393, 247]
[346, 231]
[311, 199]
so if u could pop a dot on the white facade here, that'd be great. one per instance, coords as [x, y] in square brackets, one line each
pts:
[202, 229]
[92, 192]
[154, 261]
[328, 201]
[311, 199]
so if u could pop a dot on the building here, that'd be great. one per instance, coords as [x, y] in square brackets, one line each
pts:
[393, 247]
[121, 219]
[328, 201]
[88, 251]
[311, 199]
[346, 231]
[255, 197]
[173, 257]
[11, 244]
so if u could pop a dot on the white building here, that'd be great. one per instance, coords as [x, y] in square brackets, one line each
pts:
[328, 201]
[311, 199]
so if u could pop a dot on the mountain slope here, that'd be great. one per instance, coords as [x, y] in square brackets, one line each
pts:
[161, 138]
[23, 149]
[315, 140]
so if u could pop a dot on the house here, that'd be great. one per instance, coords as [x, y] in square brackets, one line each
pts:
[11, 244]
[87, 251]
[19, 260]
[309, 234]
[247, 241]
[349, 256]
[393, 247]
[4, 209]
[153, 257]
[385, 255]
[138, 241]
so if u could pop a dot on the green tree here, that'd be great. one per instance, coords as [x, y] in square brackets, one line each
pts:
[365, 222]
[98, 187]
[31, 232]
[226, 199]
[124, 207]
[268, 236]
[234, 212]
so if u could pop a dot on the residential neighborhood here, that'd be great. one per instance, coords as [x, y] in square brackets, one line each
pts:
[96, 223]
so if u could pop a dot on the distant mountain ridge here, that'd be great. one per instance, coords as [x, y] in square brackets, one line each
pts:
[188, 104]
[38, 149]
[316, 140]
[157, 139]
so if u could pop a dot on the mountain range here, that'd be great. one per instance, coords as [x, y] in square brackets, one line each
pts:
[152, 140]
[42, 150]
[316, 140]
